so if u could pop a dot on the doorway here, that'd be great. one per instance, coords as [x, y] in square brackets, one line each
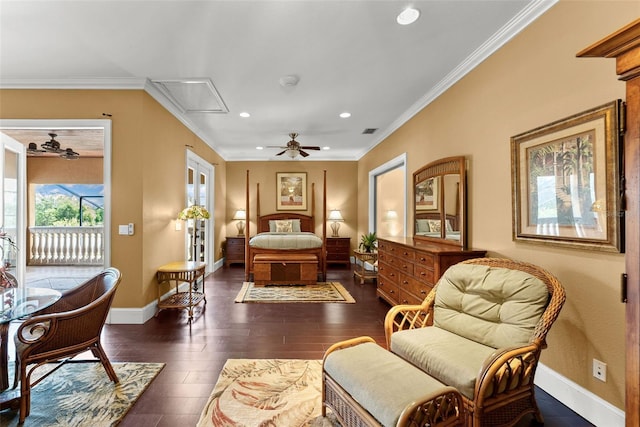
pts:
[387, 205]
[89, 138]
[199, 186]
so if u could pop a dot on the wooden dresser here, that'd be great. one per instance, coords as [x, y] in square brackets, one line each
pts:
[408, 269]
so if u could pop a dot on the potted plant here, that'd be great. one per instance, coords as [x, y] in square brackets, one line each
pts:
[7, 280]
[368, 242]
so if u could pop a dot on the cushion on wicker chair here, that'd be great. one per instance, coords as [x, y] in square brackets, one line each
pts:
[381, 382]
[450, 358]
[497, 307]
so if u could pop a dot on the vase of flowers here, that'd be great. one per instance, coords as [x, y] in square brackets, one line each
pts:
[194, 213]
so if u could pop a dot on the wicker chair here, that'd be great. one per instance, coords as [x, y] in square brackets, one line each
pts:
[504, 389]
[69, 327]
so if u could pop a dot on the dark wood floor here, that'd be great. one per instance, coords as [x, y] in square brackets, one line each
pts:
[194, 355]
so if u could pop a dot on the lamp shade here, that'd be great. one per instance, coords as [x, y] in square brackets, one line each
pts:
[390, 215]
[240, 214]
[335, 215]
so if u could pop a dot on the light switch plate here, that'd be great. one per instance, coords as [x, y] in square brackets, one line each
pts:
[123, 230]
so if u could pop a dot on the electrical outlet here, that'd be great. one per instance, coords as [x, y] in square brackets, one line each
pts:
[600, 370]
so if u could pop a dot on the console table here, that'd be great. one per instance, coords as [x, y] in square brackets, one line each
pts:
[360, 270]
[182, 272]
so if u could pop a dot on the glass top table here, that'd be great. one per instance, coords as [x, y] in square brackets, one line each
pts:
[16, 303]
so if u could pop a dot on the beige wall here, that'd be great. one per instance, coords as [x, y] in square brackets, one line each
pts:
[533, 80]
[147, 177]
[342, 191]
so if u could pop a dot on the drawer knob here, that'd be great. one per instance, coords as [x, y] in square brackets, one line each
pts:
[404, 282]
[423, 292]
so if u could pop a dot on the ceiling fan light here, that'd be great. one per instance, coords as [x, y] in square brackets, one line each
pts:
[292, 153]
[408, 16]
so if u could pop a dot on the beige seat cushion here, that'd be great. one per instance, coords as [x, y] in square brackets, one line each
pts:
[497, 307]
[379, 381]
[448, 357]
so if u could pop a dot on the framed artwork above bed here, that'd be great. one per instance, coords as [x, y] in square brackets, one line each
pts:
[291, 191]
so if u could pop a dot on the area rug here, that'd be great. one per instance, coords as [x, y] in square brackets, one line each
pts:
[267, 392]
[81, 394]
[320, 292]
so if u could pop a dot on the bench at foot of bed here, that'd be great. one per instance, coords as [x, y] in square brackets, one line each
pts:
[285, 269]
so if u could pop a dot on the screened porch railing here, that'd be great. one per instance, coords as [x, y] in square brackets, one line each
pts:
[66, 245]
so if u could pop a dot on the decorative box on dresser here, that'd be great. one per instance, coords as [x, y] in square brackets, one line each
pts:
[339, 250]
[408, 269]
[234, 251]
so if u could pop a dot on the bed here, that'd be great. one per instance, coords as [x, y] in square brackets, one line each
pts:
[429, 225]
[286, 233]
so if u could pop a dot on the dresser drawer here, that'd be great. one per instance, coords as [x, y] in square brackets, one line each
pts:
[422, 273]
[424, 260]
[408, 298]
[392, 274]
[388, 290]
[414, 286]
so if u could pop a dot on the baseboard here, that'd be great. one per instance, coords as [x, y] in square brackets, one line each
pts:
[580, 400]
[138, 316]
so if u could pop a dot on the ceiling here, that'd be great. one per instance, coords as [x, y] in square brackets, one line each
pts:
[349, 56]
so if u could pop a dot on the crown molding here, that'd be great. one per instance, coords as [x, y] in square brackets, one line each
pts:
[127, 83]
[519, 22]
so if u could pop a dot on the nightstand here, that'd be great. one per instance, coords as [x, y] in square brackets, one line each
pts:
[235, 251]
[338, 250]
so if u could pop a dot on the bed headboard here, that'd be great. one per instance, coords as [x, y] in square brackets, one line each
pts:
[307, 222]
[453, 219]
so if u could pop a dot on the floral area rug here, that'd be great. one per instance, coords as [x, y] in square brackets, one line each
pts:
[81, 394]
[267, 392]
[320, 292]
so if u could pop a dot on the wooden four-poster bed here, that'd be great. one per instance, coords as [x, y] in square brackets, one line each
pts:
[297, 237]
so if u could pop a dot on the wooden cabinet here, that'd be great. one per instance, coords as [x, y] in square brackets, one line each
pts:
[624, 45]
[234, 251]
[408, 269]
[338, 250]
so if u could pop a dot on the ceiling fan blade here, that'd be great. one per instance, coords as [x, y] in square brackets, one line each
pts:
[308, 147]
[302, 153]
[275, 146]
[281, 153]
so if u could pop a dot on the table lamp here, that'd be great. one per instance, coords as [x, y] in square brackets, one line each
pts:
[240, 215]
[336, 218]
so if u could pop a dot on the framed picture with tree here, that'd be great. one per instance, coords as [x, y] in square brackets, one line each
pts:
[566, 181]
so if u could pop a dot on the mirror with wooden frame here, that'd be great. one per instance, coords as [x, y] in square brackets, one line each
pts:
[439, 202]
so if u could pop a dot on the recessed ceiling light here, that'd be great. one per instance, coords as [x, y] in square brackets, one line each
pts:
[259, 148]
[326, 148]
[408, 16]
[345, 115]
[245, 114]
[290, 80]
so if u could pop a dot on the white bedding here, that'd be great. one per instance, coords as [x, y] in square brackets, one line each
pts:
[274, 240]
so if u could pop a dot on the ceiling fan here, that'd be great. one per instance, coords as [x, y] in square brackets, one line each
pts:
[293, 147]
[53, 146]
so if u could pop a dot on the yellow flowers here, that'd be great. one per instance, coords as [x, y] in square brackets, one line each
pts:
[194, 212]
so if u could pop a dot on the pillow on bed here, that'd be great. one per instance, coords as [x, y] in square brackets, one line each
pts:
[284, 226]
[434, 225]
[448, 224]
[422, 225]
[294, 225]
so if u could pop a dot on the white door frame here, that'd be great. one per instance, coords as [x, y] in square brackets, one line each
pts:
[398, 162]
[7, 143]
[201, 165]
[53, 124]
